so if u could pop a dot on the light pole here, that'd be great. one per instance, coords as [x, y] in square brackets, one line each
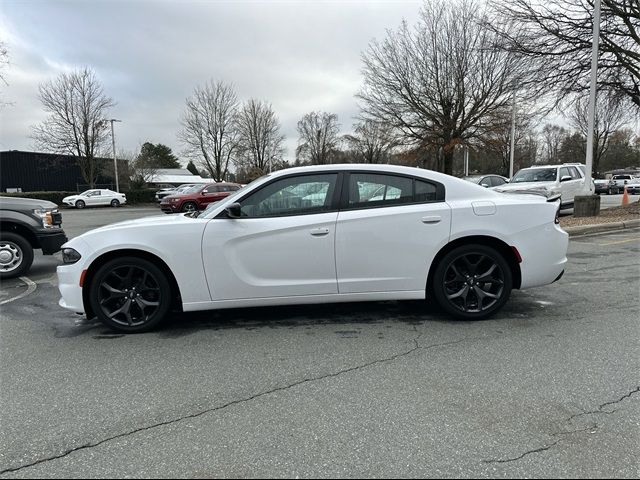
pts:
[513, 134]
[115, 160]
[588, 204]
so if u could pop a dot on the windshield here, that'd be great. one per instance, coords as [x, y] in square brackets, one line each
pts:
[230, 198]
[535, 175]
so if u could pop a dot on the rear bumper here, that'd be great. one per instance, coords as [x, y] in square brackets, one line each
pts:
[544, 254]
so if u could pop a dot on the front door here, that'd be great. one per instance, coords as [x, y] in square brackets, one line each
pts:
[282, 245]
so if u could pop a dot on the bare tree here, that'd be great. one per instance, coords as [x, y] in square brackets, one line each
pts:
[318, 137]
[260, 143]
[553, 136]
[555, 36]
[373, 141]
[4, 62]
[496, 140]
[208, 122]
[76, 125]
[440, 82]
[612, 113]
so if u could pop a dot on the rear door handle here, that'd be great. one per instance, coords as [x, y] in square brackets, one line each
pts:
[319, 232]
[432, 219]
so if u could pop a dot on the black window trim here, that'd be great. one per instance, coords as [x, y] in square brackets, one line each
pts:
[344, 201]
[335, 200]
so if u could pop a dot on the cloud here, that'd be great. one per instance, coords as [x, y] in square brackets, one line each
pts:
[300, 56]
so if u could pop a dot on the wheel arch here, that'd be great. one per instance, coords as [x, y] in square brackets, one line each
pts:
[176, 302]
[495, 243]
[22, 230]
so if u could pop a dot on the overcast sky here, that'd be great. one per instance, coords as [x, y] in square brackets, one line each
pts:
[298, 55]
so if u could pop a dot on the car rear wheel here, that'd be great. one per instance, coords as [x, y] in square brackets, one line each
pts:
[130, 295]
[16, 255]
[80, 204]
[189, 207]
[115, 203]
[472, 282]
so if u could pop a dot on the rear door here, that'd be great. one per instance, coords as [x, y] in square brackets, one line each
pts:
[388, 231]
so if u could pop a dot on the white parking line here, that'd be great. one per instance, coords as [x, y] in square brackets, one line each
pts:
[31, 287]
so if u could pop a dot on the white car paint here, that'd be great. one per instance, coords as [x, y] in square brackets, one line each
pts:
[381, 253]
[96, 197]
[567, 189]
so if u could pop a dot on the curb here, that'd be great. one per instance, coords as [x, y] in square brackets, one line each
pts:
[601, 227]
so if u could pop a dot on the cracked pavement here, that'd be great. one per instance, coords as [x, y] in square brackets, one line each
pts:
[547, 388]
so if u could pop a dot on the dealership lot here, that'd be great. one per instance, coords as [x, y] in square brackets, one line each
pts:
[548, 387]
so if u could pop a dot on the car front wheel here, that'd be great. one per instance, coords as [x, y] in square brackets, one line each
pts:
[189, 207]
[16, 255]
[130, 294]
[80, 204]
[472, 282]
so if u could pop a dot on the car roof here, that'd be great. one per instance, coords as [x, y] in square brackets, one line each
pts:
[554, 166]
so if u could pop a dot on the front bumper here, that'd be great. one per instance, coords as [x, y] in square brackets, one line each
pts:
[69, 287]
[50, 242]
[170, 207]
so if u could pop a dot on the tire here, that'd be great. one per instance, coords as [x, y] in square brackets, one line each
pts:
[115, 203]
[80, 204]
[609, 192]
[457, 284]
[16, 255]
[130, 295]
[189, 207]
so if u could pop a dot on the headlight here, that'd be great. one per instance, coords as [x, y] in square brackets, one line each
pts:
[174, 199]
[69, 255]
[46, 216]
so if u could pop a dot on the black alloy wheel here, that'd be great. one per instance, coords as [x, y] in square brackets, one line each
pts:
[472, 281]
[80, 204]
[130, 294]
[189, 207]
[115, 203]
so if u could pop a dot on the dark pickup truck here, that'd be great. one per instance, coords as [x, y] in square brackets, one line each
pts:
[27, 224]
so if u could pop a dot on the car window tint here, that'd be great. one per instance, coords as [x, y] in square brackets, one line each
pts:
[211, 189]
[370, 190]
[564, 172]
[425, 191]
[497, 181]
[298, 195]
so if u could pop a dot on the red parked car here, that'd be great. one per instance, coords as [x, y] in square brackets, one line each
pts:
[198, 197]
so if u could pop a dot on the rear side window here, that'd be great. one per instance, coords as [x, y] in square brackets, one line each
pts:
[369, 190]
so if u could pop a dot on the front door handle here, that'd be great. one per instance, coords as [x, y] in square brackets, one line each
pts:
[319, 232]
[432, 219]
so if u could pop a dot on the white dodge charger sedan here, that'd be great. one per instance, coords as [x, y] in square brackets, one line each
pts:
[334, 233]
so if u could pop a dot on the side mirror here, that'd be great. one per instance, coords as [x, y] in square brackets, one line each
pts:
[485, 185]
[566, 178]
[233, 210]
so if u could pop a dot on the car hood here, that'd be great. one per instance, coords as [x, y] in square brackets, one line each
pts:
[17, 203]
[71, 197]
[522, 186]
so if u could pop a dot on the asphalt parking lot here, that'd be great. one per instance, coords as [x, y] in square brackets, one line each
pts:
[549, 387]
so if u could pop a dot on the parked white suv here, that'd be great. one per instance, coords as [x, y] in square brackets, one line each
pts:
[564, 180]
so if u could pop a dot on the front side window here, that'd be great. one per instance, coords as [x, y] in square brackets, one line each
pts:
[212, 189]
[300, 195]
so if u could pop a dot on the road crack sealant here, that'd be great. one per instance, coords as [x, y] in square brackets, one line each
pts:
[416, 346]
